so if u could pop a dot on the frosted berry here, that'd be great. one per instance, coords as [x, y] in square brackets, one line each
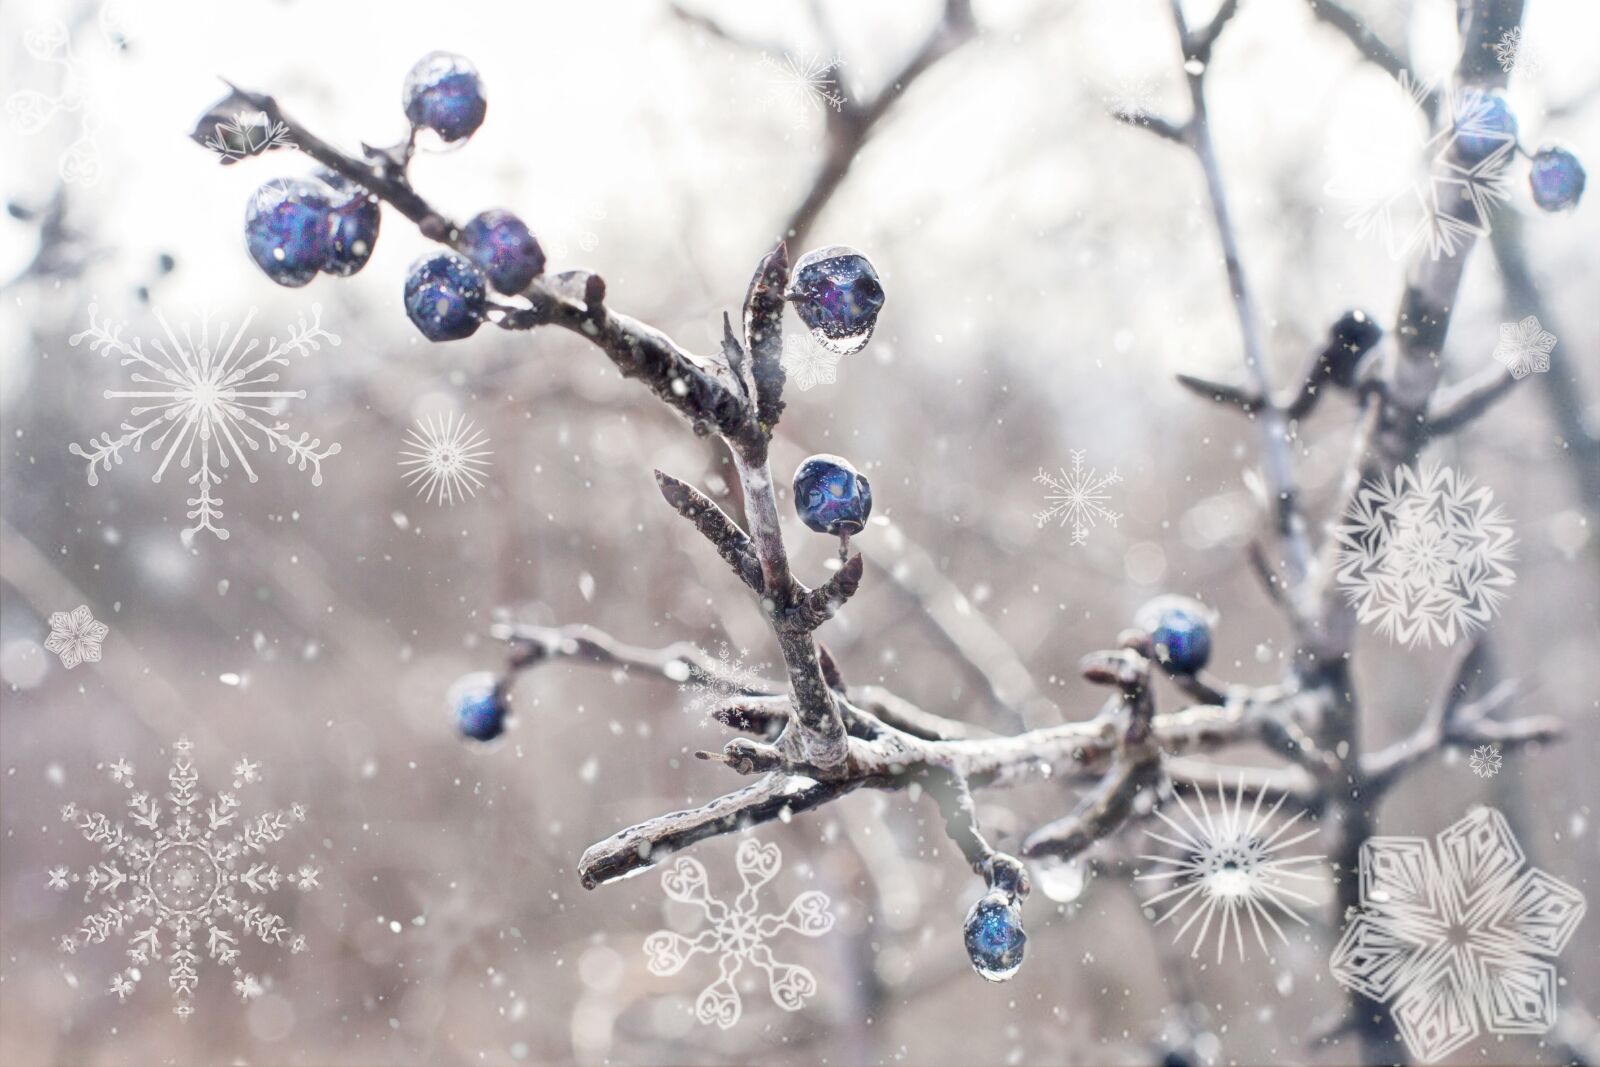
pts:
[1180, 631]
[352, 225]
[1349, 340]
[445, 297]
[478, 705]
[994, 935]
[444, 93]
[831, 496]
[500, 244]
[1557, 179]
[1484, 127]
[838, 296]
[286, 229]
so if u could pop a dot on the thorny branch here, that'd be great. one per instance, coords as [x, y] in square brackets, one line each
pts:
[815, 738]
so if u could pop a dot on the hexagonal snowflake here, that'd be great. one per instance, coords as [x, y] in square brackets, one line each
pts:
[1524, 347]
[166, 882]
[1458, 937]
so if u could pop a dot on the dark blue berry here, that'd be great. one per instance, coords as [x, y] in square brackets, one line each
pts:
[352, 226]
[838, 296]
[1557, 179]
[994, 935]
[1484, 127]
[1180, 631]
[446, 297]
[499, 243]
[286, 229]
[444, 93]
[478, 704]
[831, 496]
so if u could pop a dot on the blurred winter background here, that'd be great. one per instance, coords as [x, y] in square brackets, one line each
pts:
[1048, 271]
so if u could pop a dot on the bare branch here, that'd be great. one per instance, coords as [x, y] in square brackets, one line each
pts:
[1452, 408]
[822, 603]
[731, 542]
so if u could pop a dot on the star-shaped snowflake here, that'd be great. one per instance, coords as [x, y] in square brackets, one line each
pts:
[1524, 347]
[1425, 555]
[1425, 192]
[1077, 497]
[166, 882]
[1230, 868]
[446, 458]
[205, 405]
[807, 363]
[1515, 53]
[803, 85]
[738, 934]
[1459, 937]
[75, 636]
[248, 134]
[1485, 761]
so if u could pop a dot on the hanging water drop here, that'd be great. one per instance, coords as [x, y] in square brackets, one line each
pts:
[994, 935]
[1063, 881]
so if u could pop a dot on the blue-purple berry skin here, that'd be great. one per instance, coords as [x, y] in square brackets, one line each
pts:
[1485, 127]
[501, 245]
[444, 93]
[1557, 179]
[286, 230]
[831, 496]
[994, 936]
[352, 225]
[836, 292]
[479, 707]
[446, 297]
[1183, 641]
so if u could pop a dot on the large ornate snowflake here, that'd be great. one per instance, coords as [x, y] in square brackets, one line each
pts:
[1457, 938]
[738, 934]
[807, 363]
[205, 405]
[31, 110]
[725, 677]
[1524, 347]
[1425, 555]
[182, 880]
[1231, 868]
[445, 457]
[75, 636]
[1420, 192]
[1515, 53]
[1077, 497]
[803, 85]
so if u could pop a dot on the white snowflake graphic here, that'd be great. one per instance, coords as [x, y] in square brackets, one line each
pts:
[445, 457]
[1516, 53]
[726, 678]
[808, 363]
[1425, 555]
[803, 86]
[1230, 868]
[738, 934]
[1485, 761]
[1135, 99]
[1416, 194]
[183, 879]
[31, 110]
[246, 135]
[1524, 347]
[205, 405]
[1077, 497]
[1459, 937]
[569, 223]
[75, 636]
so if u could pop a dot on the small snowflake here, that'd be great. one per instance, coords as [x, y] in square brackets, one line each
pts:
[1417, 192]
[1524, 347]
[205, 409]
[1135, 99]
[808, 363]
[1516, 53]
[1425, 555]
[1230, 869]
[75, 636]
[447, 457]
[246, 135]
[179, 868]
[737, 934]
[1457, 935]
[725, 677]
[575, 219]
[1485, 761]
[1077, 497]
[804, 86]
